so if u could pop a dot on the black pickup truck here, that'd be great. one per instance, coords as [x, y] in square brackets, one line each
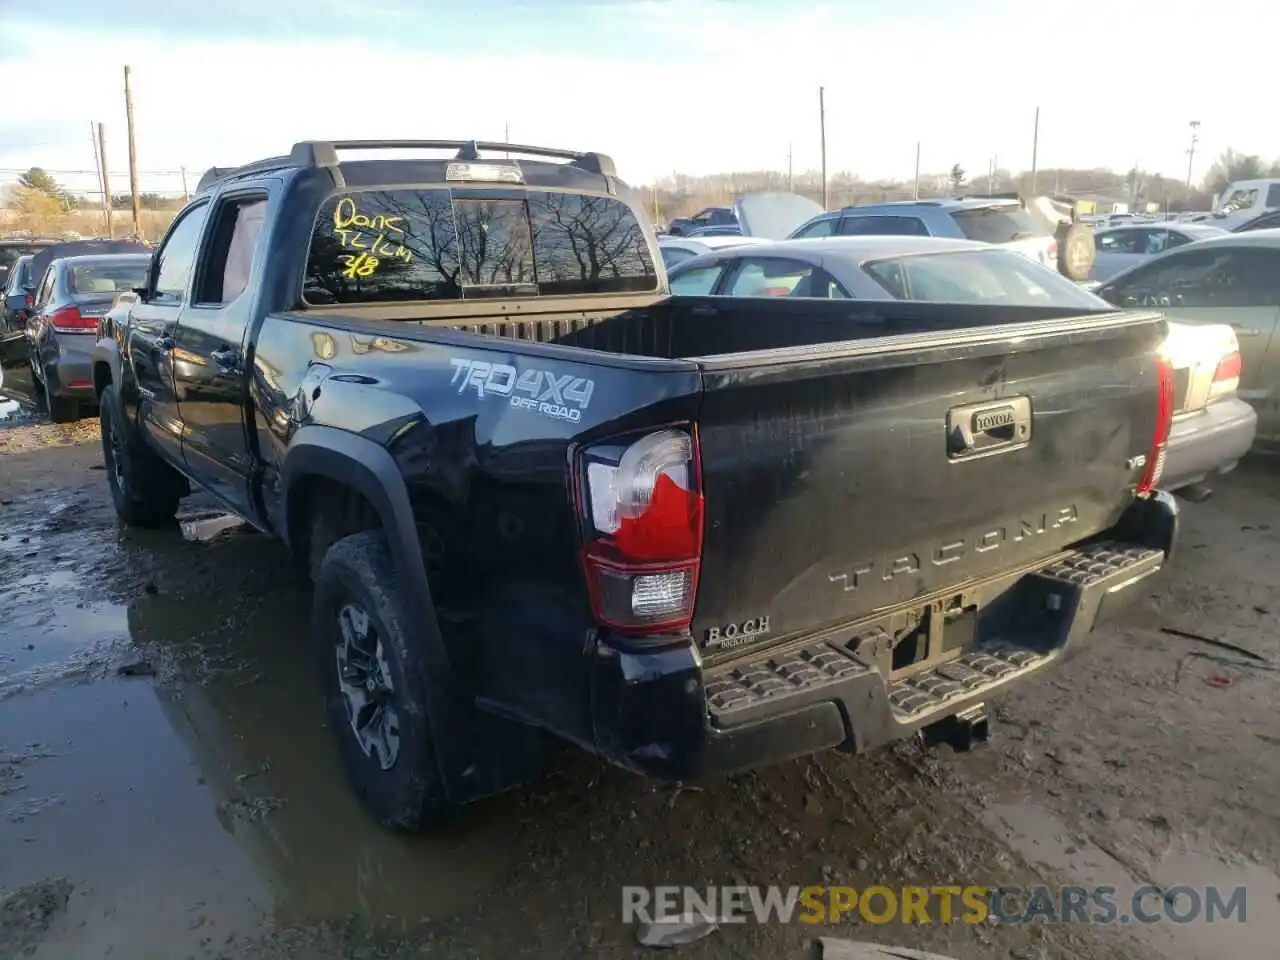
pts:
[536, 493]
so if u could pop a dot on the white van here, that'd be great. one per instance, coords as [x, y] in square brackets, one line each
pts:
[1245, 199]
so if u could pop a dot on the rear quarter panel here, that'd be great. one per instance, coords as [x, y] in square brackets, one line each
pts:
[482, 429]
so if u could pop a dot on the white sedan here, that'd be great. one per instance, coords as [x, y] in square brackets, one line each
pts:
[1119, 248]
[678, 249]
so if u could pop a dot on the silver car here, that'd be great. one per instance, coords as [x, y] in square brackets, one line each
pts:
[1120, 248]
[1212, 428]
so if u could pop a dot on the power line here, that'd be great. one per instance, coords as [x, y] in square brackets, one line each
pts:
[92, 173]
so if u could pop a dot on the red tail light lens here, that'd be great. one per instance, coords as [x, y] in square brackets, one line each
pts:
[1052, 252]
[1164, 420]
[1228, 368]
[643, 507]
[30, 299]
[70, 320]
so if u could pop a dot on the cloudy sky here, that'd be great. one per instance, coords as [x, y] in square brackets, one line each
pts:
[691, 85]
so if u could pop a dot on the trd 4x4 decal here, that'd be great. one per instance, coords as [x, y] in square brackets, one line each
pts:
[561, 397]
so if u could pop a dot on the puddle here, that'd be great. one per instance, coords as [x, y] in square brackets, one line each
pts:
[50, 635]
[205, 802]
[1043, 840]
[248, 709]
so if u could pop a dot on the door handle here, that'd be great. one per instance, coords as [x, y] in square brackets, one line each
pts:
[225, 358]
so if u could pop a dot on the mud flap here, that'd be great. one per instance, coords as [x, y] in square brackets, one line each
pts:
[16, 381]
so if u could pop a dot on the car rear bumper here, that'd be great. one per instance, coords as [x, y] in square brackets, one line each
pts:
[71, 372]
[663, 714]
[1208, 443]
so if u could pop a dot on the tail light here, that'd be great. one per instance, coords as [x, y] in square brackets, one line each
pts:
[30, 300]
[1226, 378]
[69, 319]
[642, 504]
[1164, 420]
[1052, 253]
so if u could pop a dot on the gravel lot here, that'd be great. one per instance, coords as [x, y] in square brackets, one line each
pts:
[167, 788]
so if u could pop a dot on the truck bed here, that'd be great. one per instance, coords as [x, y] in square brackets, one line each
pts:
[836, 476]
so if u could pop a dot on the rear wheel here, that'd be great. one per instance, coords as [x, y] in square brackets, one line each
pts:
[61, 409]
[375, 683]
[144, 489]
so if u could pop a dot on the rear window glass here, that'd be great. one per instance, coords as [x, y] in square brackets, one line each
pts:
[98, 280]
[979, 276]
[10, 252]
[1000, 224]
[384, 246]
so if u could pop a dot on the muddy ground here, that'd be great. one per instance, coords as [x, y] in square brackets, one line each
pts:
[167, 787]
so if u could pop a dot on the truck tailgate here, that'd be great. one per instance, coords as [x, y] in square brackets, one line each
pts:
[844, 479]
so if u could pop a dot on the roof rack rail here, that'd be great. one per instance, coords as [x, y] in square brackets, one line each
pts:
[324, 153]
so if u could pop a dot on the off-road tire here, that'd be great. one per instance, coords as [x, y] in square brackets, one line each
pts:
[410, 794]
[144, 489]
[1075, 251]
[60, 409]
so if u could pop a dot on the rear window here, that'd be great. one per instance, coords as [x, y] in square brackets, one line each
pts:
[979, 276]
[96, 281]
[999, 224]
[10, 252]
[383, 246]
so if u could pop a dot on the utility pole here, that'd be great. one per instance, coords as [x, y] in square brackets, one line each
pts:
[1035, 149]
[133, 155]
[506, 134]
[106, 180]
[99, 165]
[1191, 150]
[915, 191]
[186, 197]
[789, 181]
[822, 129]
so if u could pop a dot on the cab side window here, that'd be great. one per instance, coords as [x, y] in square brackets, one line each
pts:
[177, 256]
[229, 260]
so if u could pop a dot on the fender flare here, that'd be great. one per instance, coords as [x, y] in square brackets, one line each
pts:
[358, 462]
[106, 351]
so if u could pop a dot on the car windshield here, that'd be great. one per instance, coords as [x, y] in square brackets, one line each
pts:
[979, 276]
[95, 281]
[1000, 224]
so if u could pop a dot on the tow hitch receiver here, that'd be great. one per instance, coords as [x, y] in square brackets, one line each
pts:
[964, 730]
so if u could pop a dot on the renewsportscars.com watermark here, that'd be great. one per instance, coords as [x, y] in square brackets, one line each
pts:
[936, 904]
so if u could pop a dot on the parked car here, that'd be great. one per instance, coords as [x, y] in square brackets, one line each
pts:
[1232, 279]
[19, 294]
[1267, 220]
[881, 268]
[1212, 427]
[62, 329]
[1119, 248]
[539, 494]
[707, 217]
[677, 249]
[12, 248]
[997, 220]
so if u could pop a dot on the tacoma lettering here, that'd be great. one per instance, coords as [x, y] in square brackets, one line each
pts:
[985, 541]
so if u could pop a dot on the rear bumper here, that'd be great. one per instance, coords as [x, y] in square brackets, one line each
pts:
[661, 713]
[70, 373]
[1209, 443]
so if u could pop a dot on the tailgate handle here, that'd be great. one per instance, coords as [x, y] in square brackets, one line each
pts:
[984, 429]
